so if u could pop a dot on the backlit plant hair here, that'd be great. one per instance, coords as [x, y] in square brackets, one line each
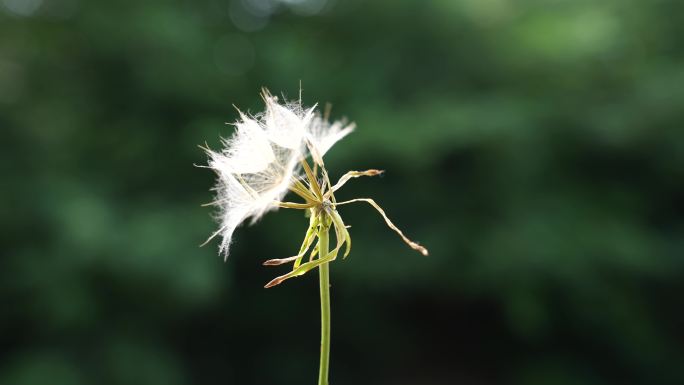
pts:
[266, 157]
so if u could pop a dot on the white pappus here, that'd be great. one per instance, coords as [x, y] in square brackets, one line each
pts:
[261, 160]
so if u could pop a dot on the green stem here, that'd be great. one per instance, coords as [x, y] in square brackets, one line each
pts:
[324, 274]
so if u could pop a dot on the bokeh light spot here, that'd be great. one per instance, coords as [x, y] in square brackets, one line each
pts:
[260, 8]
[22, 7]
[245, 19]
[306, 7]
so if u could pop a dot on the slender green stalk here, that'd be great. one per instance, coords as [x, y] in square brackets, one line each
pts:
[324, 274]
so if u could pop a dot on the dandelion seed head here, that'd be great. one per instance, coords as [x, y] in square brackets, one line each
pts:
[258, 163]
[322, 135]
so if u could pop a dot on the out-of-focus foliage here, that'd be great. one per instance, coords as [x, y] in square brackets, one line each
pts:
[536, 147]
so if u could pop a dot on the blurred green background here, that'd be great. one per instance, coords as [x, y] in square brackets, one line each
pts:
[536, 147]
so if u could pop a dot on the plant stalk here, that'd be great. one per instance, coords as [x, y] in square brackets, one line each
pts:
[324, 275]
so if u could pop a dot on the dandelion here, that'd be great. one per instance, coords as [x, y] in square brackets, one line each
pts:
[260, 162]
[267, 157]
